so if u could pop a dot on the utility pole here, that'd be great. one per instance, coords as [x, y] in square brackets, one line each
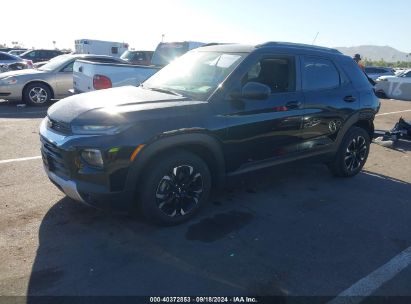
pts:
[315, 38]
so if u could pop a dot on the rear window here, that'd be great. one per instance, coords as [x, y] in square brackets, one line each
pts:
[319, 74]
[167, 52]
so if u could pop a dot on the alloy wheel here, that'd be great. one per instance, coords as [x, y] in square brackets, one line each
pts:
[179, 191]
[356, 153]
[38, 95]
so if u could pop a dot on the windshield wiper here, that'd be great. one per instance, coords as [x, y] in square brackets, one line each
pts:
[163, 90]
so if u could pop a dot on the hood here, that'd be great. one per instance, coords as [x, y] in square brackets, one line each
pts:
[20, 73]
[103, 103]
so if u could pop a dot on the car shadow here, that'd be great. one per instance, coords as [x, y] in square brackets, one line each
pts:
[293, 230]
[18, 109]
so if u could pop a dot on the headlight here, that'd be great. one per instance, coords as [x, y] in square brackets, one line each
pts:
[92, 157]
[97, 129]
[8, 80]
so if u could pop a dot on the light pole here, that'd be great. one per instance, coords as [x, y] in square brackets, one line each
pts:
[162, 38]
[54, 43]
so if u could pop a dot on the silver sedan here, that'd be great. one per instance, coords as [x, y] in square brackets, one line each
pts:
[51, 81]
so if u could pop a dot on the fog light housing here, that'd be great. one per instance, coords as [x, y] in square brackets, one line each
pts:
[93, 157]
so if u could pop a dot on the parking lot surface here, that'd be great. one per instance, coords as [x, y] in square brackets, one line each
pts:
[294, 230]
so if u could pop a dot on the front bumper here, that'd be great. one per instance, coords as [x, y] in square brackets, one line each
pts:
[11, 92]
[68, 187]
[86, 186]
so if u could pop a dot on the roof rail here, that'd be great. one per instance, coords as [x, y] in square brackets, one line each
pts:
[291, 44]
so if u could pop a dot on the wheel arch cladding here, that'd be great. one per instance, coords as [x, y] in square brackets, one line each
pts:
[205, 146]
[367, 125]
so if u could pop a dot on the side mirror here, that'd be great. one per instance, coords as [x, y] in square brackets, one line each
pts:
[255, 90]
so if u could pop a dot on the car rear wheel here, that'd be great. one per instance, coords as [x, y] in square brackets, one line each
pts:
[175, 188]
[352, 154]
[37, 94]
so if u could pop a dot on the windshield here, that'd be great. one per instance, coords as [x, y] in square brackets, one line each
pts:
[195, 74]
[167, 52]
[56, 62]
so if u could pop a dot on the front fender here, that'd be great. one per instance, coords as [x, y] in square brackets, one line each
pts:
[178, 141]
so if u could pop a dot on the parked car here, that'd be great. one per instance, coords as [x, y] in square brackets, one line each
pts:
[215, 112]
[51, 81]
[396, 87]
[95, 76]
[375, 72]
[40, 55]
[6, 58]
[17, 52]
[138, 57]
[40, 64]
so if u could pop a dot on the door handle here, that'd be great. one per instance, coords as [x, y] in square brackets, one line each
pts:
[350, 98]
[293, 105]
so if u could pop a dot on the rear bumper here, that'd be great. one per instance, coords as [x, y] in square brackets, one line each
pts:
[74, 91]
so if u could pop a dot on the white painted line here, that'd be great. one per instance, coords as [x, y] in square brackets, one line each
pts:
[369, 284]
[389, 113]
[5, 161]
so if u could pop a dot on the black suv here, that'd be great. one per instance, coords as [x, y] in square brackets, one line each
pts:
[40, 55]
[215, 112]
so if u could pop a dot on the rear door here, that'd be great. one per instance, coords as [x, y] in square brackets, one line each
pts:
[329, 100]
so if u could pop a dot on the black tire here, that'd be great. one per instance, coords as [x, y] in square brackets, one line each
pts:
[37, 94]
[171, 192]
[381, 94]
[352, 153]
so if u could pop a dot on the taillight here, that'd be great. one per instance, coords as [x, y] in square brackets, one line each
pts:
[101, 82]
[29, 63]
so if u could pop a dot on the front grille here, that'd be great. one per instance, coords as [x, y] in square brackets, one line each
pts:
[53, 158]
[58, 126]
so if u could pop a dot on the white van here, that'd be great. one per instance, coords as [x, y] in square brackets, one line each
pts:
[99, 47]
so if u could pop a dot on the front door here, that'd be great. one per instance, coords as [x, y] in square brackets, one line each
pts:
[261, 129]
[64, 80]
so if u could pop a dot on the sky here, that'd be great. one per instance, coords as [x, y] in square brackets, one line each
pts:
[142, 23]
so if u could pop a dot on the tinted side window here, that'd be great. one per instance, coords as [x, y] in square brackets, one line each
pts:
[68, 67]
[319, 73]
[276, 72]
[4, 57]
[408, 74]
[32, 54]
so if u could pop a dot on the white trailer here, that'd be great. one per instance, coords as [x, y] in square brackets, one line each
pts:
[99, 47]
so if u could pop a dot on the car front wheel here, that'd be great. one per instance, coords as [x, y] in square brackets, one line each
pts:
[37, 94]
[175, 188]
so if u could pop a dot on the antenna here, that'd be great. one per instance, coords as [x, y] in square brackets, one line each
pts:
[315, 38]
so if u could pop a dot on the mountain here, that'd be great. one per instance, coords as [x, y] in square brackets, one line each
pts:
[376, 52]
